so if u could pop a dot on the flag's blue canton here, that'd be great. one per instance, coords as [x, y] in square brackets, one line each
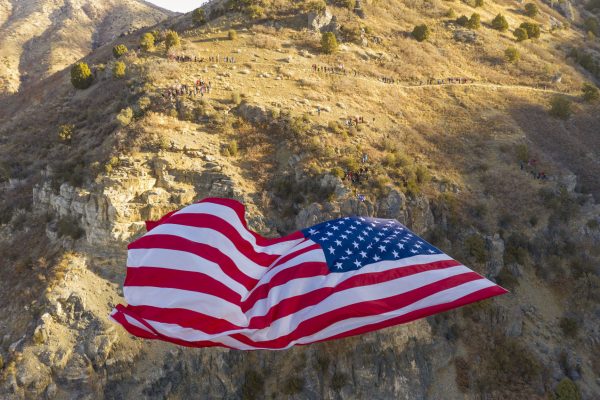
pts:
[351, 243]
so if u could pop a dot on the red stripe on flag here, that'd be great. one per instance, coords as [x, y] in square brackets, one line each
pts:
[183, 280]
[209, 253]
[368, 308]
[482, 294]
[240, 210]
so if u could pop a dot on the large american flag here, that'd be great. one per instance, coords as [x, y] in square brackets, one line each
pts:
[199, 277]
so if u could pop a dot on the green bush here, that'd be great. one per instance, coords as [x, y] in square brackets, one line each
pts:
[236, 98]
[531, 10]
[475, 245]
[232, 35]
[569, 326]
[591, 25]
[119, 69]
[171, 40]
[451, 13]
[533, 30]
[560, 107]
[65, 132]
[125, 116]
[463, 20]
[337, 171]
[329, 43]
[147, 42]
[478, 3]
[69, 226]
[81, 76]
[590, 93]
[421, 32]
[474, 21]
[512, 55]
[520, 34]
[199, 17]
[567, 390]
[119, 50]
[500, 23]
[231, 149]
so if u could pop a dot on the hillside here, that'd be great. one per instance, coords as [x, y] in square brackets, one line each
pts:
[39, 38]
[461, 145]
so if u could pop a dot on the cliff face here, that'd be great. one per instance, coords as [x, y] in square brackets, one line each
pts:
[39, 38]
[459, 163]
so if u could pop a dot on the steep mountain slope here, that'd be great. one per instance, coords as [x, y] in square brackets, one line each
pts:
[38, 38]
[456, 160]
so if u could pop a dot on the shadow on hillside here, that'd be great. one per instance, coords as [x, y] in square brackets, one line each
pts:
[574, 144]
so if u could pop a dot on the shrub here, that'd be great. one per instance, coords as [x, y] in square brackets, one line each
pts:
[478, 3]
[531, 10]
[500, 23]
[451, 13]
[590, 93]
[199, 17]
[69, 226]
[119, 50]
[474, 21]
[236, 98]
[463, 372]
[567, 390]
[476, 247]
[118, 70]
[147, 42]
[293, 385]
[349, 4]
[65, 132]
[463, 20]
[254, 11]
[533, 30]
[253, 385]
[171, 40]
[421, 32]
[81, 76]
[560, 107]
[329, 43]
[125, 116]
[569, 326]
[231, 149]
[512, 55]
[591, 25]
[338, 381]
[506, 279]
[520, 34]
[337, 171]
[232, 35]
[316, 6]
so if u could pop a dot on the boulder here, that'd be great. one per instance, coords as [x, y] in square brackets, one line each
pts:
[316, 21]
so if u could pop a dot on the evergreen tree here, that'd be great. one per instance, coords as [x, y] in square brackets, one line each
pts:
[421, 32]
[520, 34]
[499, 23]
[81, 76]
[531, 10]
[512, 54]
[329, 43]
[474, 21]
[533, 30]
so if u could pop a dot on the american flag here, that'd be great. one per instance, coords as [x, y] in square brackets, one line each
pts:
[199, 277]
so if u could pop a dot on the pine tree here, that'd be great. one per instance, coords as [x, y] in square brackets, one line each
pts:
[329, 43]
[500, 23]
